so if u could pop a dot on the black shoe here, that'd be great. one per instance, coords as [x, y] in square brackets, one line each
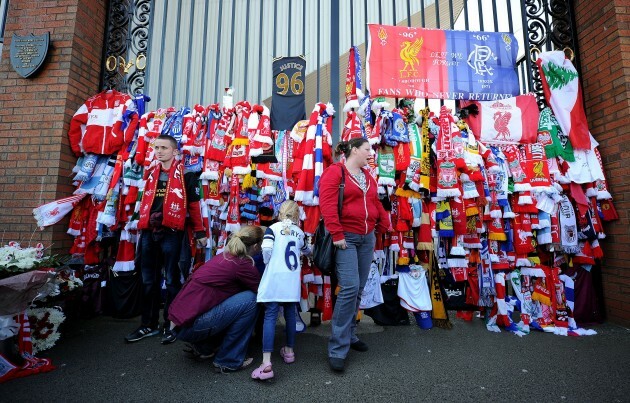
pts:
[168, 337]
[140, 333]
[336, 364]
[225, 370]
[316, 317]
[359, 346]
[196, 353]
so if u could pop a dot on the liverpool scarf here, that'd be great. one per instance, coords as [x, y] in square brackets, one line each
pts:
[219, 135]
[536, 168]
[568, 227]
[447, 172]
[174, 211]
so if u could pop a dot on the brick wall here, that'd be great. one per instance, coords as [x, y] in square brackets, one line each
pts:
[35, 113]
[604, 39]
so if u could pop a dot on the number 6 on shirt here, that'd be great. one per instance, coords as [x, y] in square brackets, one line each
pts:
[290, 256]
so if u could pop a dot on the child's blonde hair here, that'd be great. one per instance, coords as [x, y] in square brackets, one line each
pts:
[289, 210]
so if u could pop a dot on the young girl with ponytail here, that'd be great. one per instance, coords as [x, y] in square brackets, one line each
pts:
[280, 285]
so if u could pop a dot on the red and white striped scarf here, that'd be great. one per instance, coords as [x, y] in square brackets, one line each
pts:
[447, 171]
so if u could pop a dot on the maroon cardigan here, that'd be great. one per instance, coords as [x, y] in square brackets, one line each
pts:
[217, 280]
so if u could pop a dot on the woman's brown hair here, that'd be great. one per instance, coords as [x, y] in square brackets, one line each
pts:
[345, 147]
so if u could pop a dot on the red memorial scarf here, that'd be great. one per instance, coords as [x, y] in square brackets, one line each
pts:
[174, 199]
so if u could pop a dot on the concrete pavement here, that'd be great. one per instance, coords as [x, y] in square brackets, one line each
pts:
[404, 364]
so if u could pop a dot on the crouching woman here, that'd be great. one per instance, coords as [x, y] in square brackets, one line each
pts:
[219, 298]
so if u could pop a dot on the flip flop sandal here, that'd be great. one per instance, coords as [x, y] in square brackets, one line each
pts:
[288, 358]
[263, 373]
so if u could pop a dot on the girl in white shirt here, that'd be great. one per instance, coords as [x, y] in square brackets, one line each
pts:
[280, 285]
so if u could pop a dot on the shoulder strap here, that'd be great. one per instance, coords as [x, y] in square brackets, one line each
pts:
[342, 186]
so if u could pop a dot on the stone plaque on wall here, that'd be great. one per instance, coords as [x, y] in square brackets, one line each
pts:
[28, 53]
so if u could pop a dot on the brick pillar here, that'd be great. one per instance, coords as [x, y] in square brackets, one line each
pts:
[603, 28]
[35, 113]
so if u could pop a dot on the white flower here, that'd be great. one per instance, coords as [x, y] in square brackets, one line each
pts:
[55, 318]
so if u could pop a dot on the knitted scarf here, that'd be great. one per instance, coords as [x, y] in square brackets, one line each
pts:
[51, 213]
[233, 214]
[219, 134]
[425, 162]
[386, 167]
[86, 165]
[415, 151]
[600, 184]
[89, 185]
[440, 315]
[536, 168]
[193, 138]
[550, 135]
[568, 226]
[101, 189]
[237, 155]
[174, 212]
[319, 159]
[305, 167]
[521, 182]
[447, 173]
[486, 282]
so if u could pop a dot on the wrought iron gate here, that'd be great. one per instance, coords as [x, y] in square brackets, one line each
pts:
[136, 27]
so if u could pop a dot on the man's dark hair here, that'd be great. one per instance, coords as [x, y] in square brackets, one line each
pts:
[169, 139]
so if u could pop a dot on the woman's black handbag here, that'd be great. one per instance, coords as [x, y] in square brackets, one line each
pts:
[324, 249]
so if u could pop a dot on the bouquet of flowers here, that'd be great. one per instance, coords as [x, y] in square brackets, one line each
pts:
[15, 260]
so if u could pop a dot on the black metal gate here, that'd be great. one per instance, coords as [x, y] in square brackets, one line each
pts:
[545, 25]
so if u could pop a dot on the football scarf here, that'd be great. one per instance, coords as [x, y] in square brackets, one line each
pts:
[440, 315]
[550, 135]
[536, 168]
[446, 171]
[174, 212]
[568, 227]
[415, 152]
[386, 167]
[232, 223]
[219, 135]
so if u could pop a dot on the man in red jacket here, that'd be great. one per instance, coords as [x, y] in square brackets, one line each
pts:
[168, 197]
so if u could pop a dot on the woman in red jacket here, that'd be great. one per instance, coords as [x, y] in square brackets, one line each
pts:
[353, 235]
[220, 298]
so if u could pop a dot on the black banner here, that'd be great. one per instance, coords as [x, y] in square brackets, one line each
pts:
[287, 101]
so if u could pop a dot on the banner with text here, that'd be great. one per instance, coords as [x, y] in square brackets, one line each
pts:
[405, 62]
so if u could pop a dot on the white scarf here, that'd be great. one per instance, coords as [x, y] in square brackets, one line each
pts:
[568, 227]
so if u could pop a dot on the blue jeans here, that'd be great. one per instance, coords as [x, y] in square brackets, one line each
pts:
[170, 245]
[271, 317]
[353, 267]
[236, 318]
[185, 257]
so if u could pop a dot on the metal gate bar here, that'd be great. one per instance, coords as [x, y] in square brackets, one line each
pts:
[547, 25]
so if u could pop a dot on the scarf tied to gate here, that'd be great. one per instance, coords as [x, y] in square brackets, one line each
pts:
[447, 170]
[568, 227]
